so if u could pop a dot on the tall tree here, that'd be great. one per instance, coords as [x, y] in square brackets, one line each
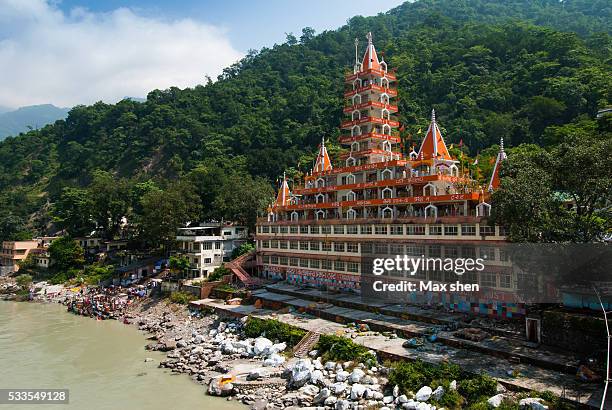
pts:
[164, 211]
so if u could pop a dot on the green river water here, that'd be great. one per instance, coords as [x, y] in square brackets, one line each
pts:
[101, 362]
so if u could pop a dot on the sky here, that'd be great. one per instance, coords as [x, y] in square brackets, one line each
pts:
[69, 52]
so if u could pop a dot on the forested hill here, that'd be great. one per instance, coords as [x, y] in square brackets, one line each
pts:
[491, 69]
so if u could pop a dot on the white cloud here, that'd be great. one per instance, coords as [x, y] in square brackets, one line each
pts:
[48, 56]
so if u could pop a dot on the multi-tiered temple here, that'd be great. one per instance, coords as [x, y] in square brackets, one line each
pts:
[374, 197]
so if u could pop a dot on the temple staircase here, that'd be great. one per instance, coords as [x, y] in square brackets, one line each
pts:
[237, 268]
[305, 345]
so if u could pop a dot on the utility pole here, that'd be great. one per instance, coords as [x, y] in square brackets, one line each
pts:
[607, 380]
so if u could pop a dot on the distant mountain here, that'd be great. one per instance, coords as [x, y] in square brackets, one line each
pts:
[35, 116]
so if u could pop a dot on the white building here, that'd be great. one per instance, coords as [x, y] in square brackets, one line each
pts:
[209, 245]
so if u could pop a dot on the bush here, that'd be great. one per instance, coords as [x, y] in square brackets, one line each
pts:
[226, 288]
[182, 298]
[339, 348]
[24, 281]
[411, 376]
[478, 387]
[218, 274]
[274, 330]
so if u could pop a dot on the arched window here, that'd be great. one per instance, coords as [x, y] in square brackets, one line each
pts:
[431, 211]
[356, 115]
[320, 183]
[357, 83]
[430, 189]
[320, 214]
[357, 99]
[294, 216]
[350, 179]
[387, 193]
[413, 155]
[454, 171]
[386, 145]
[383, 65]
[385, 114]
[319, 198]
[351, 214]
[350, 162]
[386, 174]
[387, 213]
[483, 209]
[384, 98]
[356, 130]
[384, 82]
[354, 146]
[386, 128]
[351, 196]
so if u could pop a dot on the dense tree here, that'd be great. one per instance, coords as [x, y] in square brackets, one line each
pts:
[73, 211]
[66, 254]
[241, 198]
[164, 211]
[562, 194]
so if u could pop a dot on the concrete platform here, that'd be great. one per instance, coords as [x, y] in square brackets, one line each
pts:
[498, 346]
[532, 377]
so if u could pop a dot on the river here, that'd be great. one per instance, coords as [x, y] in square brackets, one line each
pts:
[102, 363]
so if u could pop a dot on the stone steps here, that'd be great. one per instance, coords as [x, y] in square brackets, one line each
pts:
[305, 345]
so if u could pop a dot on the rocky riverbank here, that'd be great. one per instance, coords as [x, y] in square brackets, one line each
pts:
[263, 374]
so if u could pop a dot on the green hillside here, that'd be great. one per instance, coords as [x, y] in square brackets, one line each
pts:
[513, 69]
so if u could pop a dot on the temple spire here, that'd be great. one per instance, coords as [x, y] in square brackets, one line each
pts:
[284, 193]
[323, 162]
[370, 59]
[433, 145]
[495, 178]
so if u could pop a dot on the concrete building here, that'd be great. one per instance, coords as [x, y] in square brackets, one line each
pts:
[14, 251]
[375, 199]
[209, 245]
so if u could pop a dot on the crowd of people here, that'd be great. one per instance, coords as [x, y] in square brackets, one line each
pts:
[105, 302]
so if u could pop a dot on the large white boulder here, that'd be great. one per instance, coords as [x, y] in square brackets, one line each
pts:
[261, 344]
[309, 390]
[342, 376]
[438, 393]
[356, 376]
[274, 360]
[495, 401]
[316, 376]
[276, 348]
[423, 394]
[338, 388]
[301, 372]
[533, 403]
[396, 391]
[357, 391]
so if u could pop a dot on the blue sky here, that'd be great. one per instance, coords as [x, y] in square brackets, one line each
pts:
[249, 24]
[68, 52]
